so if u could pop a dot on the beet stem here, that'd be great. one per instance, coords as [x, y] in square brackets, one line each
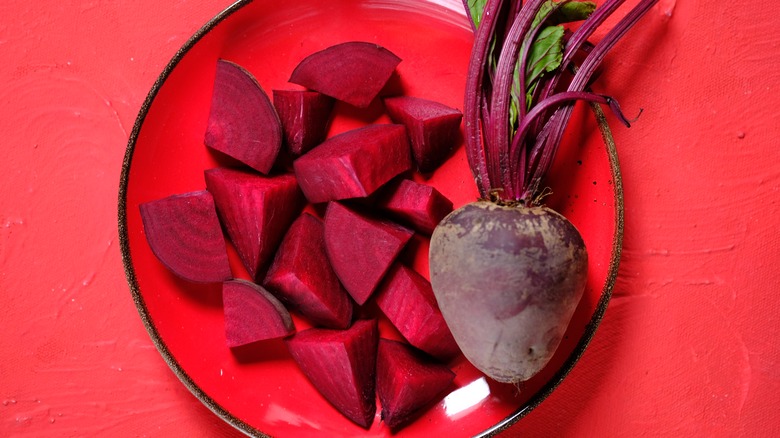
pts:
[560, 118]
[508, 163]
[526, 48]
[475, 147]
[541, 107]
[498, 156]
[578, 38]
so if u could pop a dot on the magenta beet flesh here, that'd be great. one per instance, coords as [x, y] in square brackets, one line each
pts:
[252, 314]
[353, 164]
[407, 382]
[256, 210]
[183, 232]
[432, 127]
[302, 277]
[341, 364]
[305, 117]
[406, 298]
[353, 72]
[242, 122]
[418, 205]
[361, 248]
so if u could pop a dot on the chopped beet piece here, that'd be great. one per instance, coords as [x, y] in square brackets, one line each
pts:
[183, 232]
[242, 122]
[406, 298]
[252, 314]
[407, 381]
[353, 72]
[341, 364]
[418, 205]
[305, 117]
[256, 210]
[302, 277]
[361, 248]
[353, 164]
[432, 127]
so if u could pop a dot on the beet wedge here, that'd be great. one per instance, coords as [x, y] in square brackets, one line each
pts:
[407, 382]
[361, 248]
[242, 121]
[406, 298]
[353, 72]
[301, 276]
[256, 211]
[418, 205]
[432, 127]
[184, 233]
[353, 164]
[305, 118]
[252, 314]
[341, 364]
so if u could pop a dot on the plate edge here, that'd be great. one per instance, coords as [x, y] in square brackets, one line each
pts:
[124, 243]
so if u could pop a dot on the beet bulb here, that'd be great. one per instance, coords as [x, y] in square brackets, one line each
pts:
[507, 280]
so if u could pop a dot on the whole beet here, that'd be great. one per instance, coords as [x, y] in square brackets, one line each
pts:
[507, 280]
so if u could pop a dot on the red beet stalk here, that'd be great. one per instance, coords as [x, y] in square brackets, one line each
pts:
[509, 157]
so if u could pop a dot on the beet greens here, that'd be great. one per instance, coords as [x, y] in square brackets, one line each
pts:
[522, 84]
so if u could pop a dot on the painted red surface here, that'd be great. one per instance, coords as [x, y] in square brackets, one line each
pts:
[688, 346]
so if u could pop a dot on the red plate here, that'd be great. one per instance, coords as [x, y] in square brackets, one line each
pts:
[261, 391]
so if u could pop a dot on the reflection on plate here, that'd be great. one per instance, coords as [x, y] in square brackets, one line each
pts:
[260, 390]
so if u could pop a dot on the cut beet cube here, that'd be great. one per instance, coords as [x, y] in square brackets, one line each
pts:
[256, 211]
[407, 382]
[353, 164]
[406, 298]
[353, 72]
[301, 276]
[341, 364]
[184, 233]
[252, 314]
[305, 117]
[419, 205]
[361, 249]
[432, 128]
[242, 122]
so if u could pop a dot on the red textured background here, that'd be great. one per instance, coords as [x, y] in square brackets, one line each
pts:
[689, 345]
